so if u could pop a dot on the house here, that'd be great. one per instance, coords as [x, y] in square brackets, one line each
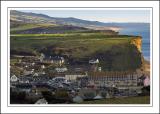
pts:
[40, 79]
[58, 60]
[42, 66]
[109, 78]
[24, 80]
[73, 77]
[35, 74]
[14, 78]
[28, 72]
[141, 80]
[20, 60]
[99, 69]
[146, 81]
[39, 73]
[33, 64]
[42, 101]
[64, 69]
[42, 57]
[94, 61]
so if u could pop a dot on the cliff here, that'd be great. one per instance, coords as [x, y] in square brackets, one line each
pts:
[137, 41]
[145, 65]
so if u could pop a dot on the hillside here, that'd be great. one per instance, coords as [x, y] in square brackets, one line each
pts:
[21, 22]
[18, 16]
[44, 29]
[115, 52]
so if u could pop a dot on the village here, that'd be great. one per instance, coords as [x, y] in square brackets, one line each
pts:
[49, 79]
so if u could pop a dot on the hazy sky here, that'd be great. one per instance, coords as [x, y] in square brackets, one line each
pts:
[99, 15]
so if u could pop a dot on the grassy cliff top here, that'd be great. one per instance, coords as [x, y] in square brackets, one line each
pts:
[77, 42]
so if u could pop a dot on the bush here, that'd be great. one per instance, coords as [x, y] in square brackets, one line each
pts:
[61, 94]
[103, 94]
[89, 95]
[145, 91]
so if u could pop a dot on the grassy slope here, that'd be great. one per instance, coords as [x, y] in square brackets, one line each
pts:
[128, 100]
[91, 42]
[38, 28]
[28, 26]
[116, 49]
[22, 27]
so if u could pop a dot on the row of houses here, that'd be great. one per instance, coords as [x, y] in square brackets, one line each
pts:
[113, 78]
[50, 59]
[98, 78]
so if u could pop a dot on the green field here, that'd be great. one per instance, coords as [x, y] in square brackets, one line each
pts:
[128, 100]
[25, 27]
[91, 41]
[69, 42]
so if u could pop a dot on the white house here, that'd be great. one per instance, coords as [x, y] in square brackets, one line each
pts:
[42, 57]
[33, 64]
[42, 66]
[41, 101]
[28, 72]
[39, 73]
[64, 69]
[94, 61]
[35, 74]
[24, 80]
[99, 69]
[14, 78]
[74, 76]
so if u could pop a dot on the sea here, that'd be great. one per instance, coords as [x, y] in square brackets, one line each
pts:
[140, 29]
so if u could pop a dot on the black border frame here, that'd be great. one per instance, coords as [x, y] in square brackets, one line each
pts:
[151, 101]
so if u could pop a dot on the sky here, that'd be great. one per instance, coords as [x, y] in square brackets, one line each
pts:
[99, 15]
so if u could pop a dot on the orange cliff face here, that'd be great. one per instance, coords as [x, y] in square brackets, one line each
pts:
[137, 41]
